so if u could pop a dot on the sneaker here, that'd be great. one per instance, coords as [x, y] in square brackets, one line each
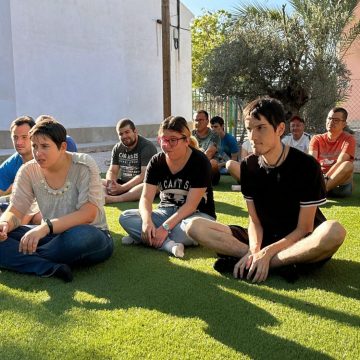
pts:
[128, 240]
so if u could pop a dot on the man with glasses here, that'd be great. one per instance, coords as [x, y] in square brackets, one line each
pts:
[335, 151]
[129, 158]
[209, 142]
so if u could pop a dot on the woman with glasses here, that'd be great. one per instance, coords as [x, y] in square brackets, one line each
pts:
[183, 175]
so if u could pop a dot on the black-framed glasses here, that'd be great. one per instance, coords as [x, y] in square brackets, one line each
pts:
[171, 141]
[334, 120]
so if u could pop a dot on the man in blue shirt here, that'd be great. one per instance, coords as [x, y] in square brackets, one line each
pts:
[19, 130]
[229, 149]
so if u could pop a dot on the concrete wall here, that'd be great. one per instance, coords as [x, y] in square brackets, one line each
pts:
[352, 60]
[89, 63]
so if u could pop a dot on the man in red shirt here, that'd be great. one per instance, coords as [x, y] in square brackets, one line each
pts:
[335, 151]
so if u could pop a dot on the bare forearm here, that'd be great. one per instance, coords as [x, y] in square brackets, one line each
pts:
[85, 215]
[255, 232]
[285, 242]
[12, 220]
[333, 168]
[145, 209]
[111, 175]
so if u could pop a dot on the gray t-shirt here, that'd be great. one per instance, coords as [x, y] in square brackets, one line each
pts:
[131, 161]
[82, 185]
[212, 138]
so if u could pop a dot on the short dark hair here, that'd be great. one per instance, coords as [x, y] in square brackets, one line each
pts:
[125, 122]
[341, 110]
[270, 108]
[298, 118]
[25, 119]
[48, 126]
[217, 120]
[203, 112]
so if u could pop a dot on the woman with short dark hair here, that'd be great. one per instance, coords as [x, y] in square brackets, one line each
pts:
[68, 191]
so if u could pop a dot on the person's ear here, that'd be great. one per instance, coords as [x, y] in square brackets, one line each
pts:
[280, 129]
[63, 146]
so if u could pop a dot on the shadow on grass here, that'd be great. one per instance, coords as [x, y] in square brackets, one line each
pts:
[140, 277]
[229, 209]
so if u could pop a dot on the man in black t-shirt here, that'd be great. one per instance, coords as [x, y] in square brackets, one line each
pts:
[129, 158]
[283, 188]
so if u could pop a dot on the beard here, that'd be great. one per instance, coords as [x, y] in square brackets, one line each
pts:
[129, 142]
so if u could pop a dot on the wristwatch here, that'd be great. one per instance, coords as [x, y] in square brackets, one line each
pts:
[166, 227]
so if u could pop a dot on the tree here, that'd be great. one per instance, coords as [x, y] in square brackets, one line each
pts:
[295, 57]
[207, 32]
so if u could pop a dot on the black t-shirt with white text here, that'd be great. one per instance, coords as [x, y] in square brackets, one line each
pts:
[174, 188]
[131, 161]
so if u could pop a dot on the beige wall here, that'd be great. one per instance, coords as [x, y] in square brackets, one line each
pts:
[352, 59]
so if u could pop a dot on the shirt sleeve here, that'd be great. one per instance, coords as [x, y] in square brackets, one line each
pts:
[115, 155]
[215, 140]
[246, 182]
[90, 187]
[8, 170]
[313, 189]
[234, 148]
[22, 195]
[147, 152]
[314, 144]
[152, 171]
[349, 146]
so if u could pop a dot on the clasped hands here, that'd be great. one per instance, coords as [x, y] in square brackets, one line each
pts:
[153, 236]
[113, 188]
[256, 265]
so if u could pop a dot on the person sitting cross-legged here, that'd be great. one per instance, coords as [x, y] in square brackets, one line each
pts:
[335, 151]
[129, 158]
[183, 175]
[283, 188]
[68, 190]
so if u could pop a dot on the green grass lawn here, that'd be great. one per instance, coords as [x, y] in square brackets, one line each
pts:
[144, 304]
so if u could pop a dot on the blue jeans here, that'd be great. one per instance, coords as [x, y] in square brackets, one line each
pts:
[80, 245]
[131, 221]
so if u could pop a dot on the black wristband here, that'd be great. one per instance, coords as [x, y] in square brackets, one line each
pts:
[50, 225]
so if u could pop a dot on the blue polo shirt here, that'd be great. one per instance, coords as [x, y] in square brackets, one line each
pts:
[229, 145]
[8, 170]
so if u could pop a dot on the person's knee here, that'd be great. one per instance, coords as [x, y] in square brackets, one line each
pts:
[193, 227]
[230, 164]
[334, 234]
[338, 233]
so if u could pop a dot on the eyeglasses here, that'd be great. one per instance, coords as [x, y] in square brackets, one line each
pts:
[334, 120]
[171, 141]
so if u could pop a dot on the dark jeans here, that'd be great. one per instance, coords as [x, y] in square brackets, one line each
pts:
[80, 245]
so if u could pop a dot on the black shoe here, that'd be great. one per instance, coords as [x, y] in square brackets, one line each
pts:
[289, 272]
[63, 272]
[225, 265]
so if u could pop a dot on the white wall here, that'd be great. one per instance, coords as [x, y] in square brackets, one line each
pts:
[7, 85]
[90, 62]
